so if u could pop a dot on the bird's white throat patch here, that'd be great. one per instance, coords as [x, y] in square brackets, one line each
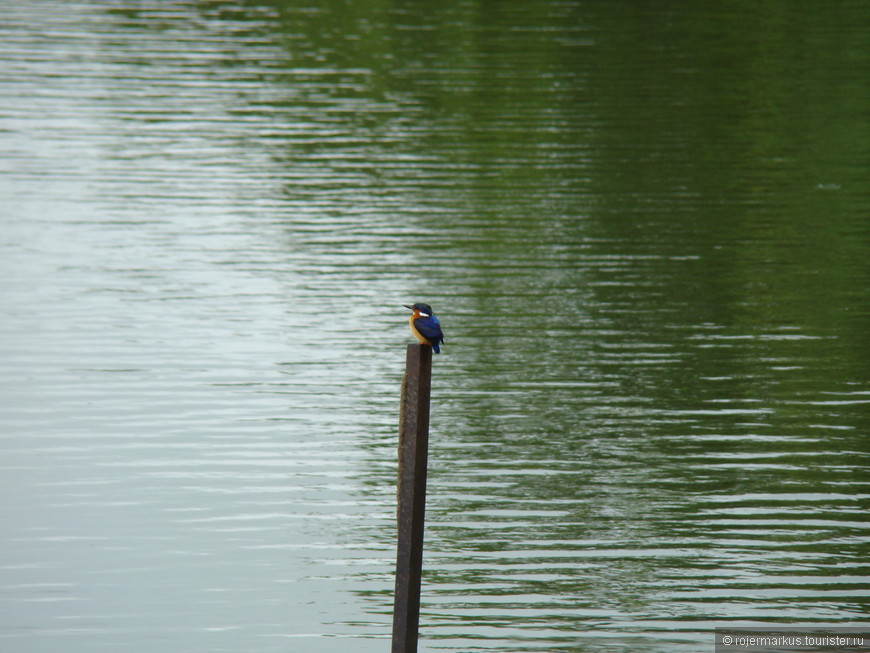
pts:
[424, 315]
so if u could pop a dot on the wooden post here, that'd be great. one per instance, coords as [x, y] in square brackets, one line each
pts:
[413, 458]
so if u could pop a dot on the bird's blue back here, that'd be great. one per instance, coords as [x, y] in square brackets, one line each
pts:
[430, 328]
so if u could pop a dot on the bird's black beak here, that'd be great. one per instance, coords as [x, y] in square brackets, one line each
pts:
[409, 307]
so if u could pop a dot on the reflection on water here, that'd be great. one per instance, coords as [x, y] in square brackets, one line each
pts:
[645, 234]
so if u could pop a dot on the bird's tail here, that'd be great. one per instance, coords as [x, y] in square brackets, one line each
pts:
[436, 348]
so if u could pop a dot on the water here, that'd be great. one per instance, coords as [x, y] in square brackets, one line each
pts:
[645, 231]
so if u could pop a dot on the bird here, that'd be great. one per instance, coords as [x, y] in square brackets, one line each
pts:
[425, 326]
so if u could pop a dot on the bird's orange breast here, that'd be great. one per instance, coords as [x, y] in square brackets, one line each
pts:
[416, 333]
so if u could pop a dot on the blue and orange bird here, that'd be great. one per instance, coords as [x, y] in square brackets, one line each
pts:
[425, 326]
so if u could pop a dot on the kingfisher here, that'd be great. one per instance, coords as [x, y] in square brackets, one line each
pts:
[425, 326]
